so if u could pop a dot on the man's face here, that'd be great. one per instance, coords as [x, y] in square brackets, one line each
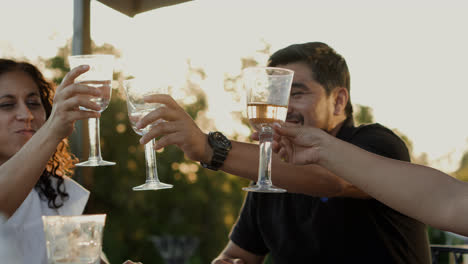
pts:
[21, 112]
[309, 103]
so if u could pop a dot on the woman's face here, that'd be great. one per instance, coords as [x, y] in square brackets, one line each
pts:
[21, 112]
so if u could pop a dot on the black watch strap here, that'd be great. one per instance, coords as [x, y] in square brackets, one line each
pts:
[221, 146]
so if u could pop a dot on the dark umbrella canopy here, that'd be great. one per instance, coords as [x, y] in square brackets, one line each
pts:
[133, 7]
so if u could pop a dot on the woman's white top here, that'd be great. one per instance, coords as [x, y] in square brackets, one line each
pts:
[26, 223]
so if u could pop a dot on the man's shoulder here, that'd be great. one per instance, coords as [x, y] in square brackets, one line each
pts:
[374, 128]
[380, 140]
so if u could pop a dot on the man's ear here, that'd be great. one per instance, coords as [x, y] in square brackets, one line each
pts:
[341, 98]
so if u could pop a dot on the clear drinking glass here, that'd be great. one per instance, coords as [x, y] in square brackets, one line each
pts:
[74, 239]
[136, 90]
[268, 91]
[99, 76]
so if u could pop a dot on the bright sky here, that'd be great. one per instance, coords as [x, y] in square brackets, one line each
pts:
[407, 58]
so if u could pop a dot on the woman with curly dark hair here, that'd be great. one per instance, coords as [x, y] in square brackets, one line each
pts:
[35, 162]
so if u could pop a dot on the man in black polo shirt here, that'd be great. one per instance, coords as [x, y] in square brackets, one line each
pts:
[296, 227]
[323, 219]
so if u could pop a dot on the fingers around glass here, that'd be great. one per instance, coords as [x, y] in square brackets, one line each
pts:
[137, 90]
[268, 91]
[98, 75]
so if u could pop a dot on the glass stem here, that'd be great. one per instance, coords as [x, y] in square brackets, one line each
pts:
[264, 163]
[94, 142]
[150, 157]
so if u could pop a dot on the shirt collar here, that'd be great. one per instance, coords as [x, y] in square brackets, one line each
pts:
[347, 129]
[77, 198]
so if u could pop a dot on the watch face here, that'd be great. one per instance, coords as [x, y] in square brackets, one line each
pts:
[220, 140]
[221, 146]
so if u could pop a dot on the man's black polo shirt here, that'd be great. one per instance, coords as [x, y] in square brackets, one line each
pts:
[297, 228]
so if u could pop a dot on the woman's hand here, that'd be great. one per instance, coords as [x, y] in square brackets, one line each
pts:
[299, 145]
[65, 108]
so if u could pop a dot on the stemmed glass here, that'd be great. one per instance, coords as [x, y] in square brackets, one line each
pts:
[268, 91]
[99, 76]
[136, 91]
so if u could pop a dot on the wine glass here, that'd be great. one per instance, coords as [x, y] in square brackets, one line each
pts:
[99, 76]
[268, 91]
[136, 90]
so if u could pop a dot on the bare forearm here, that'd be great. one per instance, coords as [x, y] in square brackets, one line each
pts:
[20, 173]
[417, 191]
[242, 160]
[312, 179]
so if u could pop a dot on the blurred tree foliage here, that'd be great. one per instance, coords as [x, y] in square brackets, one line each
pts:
[462, 172]
[203, 203]
[363, 115]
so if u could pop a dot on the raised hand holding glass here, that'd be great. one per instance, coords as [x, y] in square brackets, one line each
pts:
[136, 91]
[99, 76]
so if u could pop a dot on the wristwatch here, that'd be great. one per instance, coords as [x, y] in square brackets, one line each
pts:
[221, 146]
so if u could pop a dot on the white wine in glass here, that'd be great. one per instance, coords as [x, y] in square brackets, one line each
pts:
[268, 91]
[262, 113]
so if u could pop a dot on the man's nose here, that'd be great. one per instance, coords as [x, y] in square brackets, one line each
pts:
[290, 106]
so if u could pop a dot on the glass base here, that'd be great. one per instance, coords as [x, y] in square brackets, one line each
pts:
[152, 185]
[264, 189]
[95, 163]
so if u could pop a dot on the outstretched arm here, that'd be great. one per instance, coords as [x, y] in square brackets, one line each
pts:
[312, 179]
[420, 192]
[181, 130]
[19, 174]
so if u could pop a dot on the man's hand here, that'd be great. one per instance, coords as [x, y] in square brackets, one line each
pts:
[233, 254]
[131, 262]
[179, 129]
[228, 261]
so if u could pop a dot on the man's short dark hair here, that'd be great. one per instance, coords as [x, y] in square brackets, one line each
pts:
[328, 67]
